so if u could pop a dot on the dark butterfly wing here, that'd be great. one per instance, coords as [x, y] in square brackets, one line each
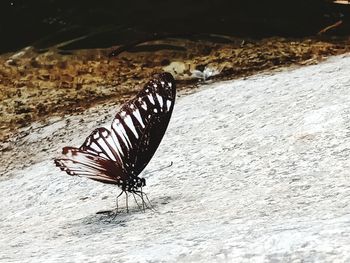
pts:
[117, 155]
[141, 123]
[82, 163]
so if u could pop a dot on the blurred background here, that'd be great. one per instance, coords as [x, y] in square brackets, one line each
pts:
[61, 57]
[104, 23]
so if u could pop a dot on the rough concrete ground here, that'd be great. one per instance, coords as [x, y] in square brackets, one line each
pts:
[260, 174]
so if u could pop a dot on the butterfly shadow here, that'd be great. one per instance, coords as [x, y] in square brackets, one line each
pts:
[99, 223]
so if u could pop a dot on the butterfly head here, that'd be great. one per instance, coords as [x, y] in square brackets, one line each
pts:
[134, 184]
[141, 182]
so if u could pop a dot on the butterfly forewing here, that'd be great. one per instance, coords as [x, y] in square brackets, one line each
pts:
[142, 122]
[117, 155]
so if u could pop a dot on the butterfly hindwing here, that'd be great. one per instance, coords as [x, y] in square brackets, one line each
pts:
[82, 163]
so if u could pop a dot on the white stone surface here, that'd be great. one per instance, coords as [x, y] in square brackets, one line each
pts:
[261, 174]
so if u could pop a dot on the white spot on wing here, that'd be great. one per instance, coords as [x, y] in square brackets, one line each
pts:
[144, 105]
[117, 143]
[106, 149]
[130, 124]
[160, 99]
[168, 104]
[150, 97]
[120, 131]
[105, 133]
[121, 135]
[170, 84]
[124, 134]
[94, 147]
[138, 117]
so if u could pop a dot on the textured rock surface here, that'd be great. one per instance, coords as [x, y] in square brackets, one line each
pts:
[261, 173]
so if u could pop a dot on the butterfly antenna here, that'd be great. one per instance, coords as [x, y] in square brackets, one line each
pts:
[160, 169]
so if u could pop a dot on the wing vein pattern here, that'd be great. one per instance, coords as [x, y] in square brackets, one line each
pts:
[119, 154]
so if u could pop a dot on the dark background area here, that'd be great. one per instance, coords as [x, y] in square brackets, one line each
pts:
[104, 23]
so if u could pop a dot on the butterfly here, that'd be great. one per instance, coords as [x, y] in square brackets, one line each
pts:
[119, 154]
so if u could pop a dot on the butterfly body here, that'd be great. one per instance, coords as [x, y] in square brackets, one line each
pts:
[119, 154]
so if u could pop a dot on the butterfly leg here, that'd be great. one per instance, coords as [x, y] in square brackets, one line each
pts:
[117, 201]
[143, 202]
[113, 210]
[139, 193]
[116, 210]
[126, 201]
[151, 206]
[133, 194]
[136, 193]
